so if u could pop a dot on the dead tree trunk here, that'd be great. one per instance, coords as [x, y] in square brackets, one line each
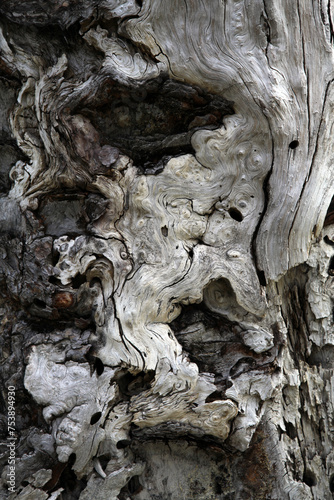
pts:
[166, 275]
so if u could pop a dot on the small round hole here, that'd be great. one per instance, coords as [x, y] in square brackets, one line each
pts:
[235, 214]
[95, 418]
[293, 144]
[122, 443]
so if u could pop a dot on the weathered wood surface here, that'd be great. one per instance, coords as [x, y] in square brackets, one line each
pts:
[166, 169]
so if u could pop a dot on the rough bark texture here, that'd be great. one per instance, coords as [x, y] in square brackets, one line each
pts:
[166, 277]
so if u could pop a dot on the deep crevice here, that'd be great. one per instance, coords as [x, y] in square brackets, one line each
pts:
[331, 483]
[290, 430]
[309, 478]
[54, 280]
[39, 303]
[266, 192]
[214, 396]
[329, 219]
[159, 124]
[63, 476]
[134, 485]
[99, 366]
[130, 385]
[328, 241]
[78, 280]
[331, 266]
[262, 277]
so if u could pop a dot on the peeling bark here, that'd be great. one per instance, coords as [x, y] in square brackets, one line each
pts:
[166, 276]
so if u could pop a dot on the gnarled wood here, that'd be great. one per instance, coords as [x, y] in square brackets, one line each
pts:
[165, 274]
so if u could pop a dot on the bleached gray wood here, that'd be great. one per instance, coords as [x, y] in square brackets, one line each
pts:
[180, 286]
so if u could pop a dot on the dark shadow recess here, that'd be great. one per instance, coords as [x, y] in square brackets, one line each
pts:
[154, 122]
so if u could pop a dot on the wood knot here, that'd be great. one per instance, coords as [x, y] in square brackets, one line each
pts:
[63, 300]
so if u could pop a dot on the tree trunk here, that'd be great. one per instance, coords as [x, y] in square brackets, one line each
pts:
[167, 270]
